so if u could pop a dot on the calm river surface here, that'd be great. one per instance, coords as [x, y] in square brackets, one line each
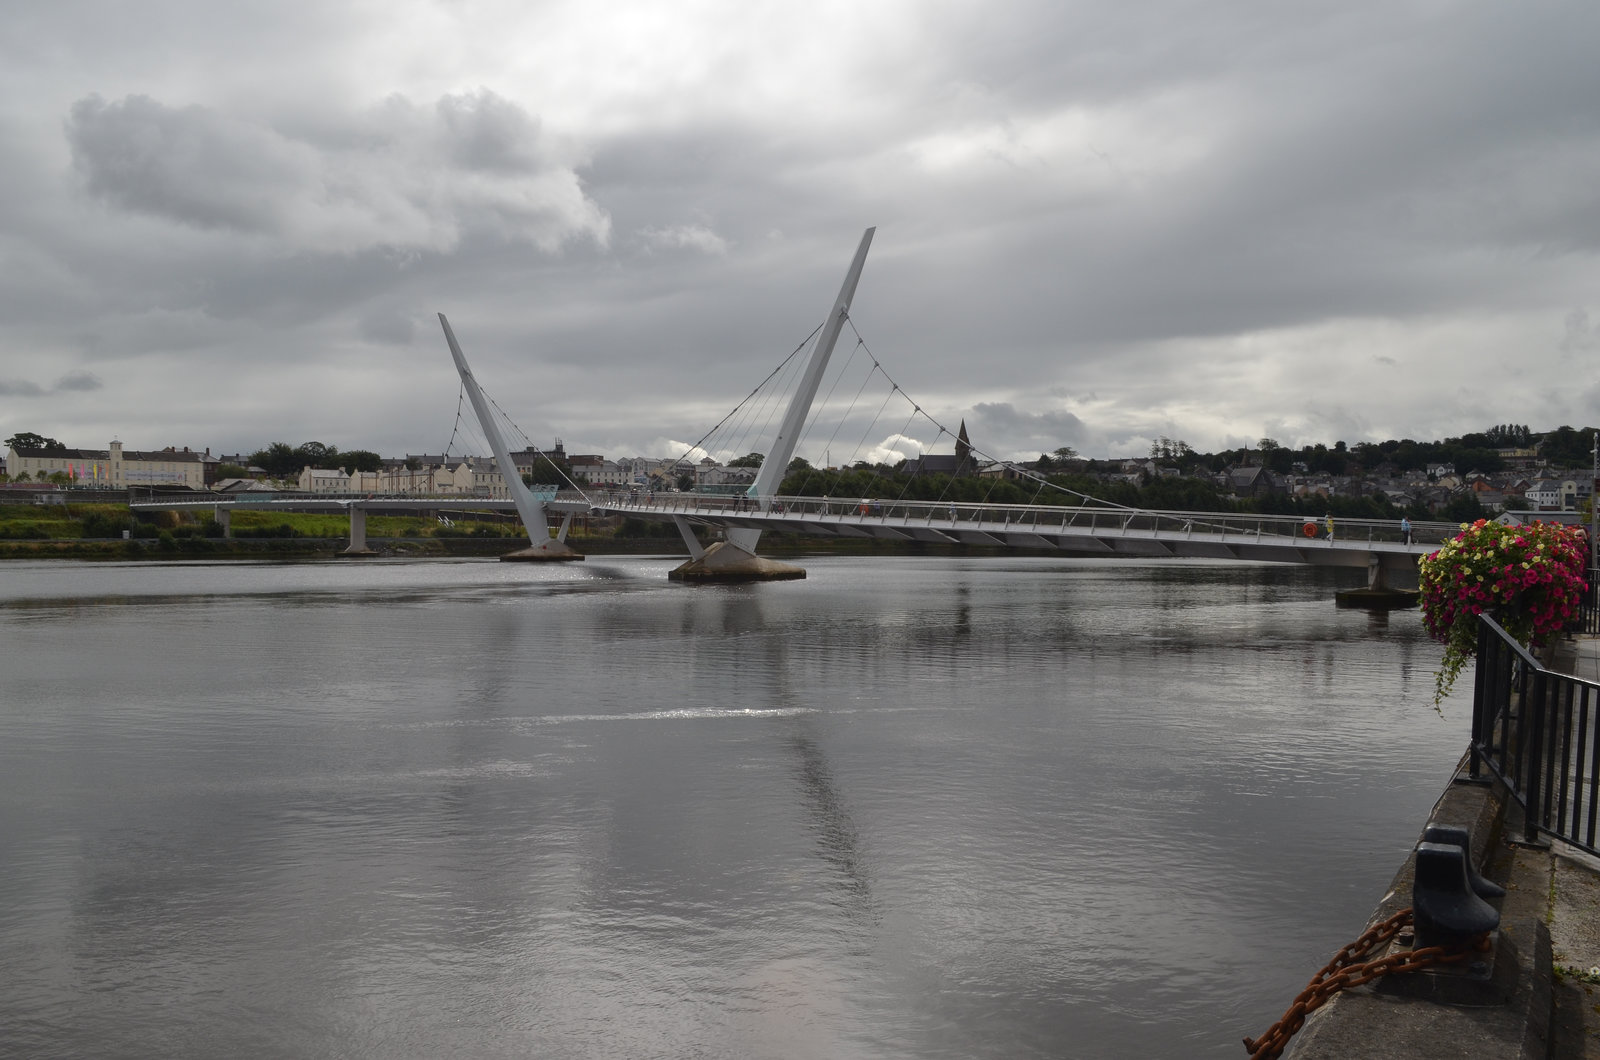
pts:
[909, 807]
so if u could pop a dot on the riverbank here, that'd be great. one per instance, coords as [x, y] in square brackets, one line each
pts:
[1540, 996]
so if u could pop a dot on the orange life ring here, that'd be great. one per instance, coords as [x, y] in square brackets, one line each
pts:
[1309, 529]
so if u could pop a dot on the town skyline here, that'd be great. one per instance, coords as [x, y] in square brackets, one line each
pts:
[1561, 446]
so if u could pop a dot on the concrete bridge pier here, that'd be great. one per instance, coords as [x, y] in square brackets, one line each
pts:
[725, 561]
[358, 533]
[1378, 595]
[223, 517]
[551, 548]
[732, 560]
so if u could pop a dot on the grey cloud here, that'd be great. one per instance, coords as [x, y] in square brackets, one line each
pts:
[388, 327]
[190, 165]
[394, 176]
[77, 380]
[483, 131]
[80, 380]
[1580, 334]
[695, 237]
[1001, 430]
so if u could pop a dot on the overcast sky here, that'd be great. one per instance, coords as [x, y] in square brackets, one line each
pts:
[1098, 222]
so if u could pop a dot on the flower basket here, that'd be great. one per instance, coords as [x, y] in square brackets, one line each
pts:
[1528, 578]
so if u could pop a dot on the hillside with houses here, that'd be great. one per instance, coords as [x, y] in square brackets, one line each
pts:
[1508, 467]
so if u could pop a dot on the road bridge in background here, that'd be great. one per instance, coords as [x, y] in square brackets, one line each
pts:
[355, 505]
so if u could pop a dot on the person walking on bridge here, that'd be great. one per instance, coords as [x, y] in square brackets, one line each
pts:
[1330, 526]
[1405, 529]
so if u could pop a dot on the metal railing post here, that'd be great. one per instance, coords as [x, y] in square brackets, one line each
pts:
[1531, 752]
[1480, 701]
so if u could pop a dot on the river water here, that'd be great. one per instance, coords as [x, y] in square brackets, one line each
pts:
[908, 807]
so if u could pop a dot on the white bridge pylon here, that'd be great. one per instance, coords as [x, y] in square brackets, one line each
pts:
[541, 546]
[734, 558]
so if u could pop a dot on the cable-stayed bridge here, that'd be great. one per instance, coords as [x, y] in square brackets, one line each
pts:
[779, 417]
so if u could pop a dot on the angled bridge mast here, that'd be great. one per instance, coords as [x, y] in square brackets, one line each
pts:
[529, 507]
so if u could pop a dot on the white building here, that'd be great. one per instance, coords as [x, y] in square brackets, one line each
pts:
[114, 467]
[323, 480]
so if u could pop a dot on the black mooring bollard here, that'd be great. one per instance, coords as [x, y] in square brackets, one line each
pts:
[1447, 911]
[1456, 836]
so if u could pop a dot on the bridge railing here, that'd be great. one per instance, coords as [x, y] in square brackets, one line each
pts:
[1016, 518]
[1538, 731]
[289, 497]
[1587, 617]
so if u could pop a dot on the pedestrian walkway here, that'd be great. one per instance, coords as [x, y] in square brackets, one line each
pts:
[1574, 907]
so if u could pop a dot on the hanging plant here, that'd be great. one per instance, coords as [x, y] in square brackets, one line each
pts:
[1527, 578]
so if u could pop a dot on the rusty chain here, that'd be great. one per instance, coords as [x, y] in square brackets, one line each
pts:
[1350, 967]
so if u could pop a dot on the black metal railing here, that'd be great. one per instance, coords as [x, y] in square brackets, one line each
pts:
[1587, 620]
[1536, 730]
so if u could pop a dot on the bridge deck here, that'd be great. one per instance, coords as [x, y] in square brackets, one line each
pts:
[1082, 529]
[1078, 529]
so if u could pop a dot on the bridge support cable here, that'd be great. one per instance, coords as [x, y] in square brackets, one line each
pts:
[712, 438]
[1024, 473]
[535, 518]
[734, 558]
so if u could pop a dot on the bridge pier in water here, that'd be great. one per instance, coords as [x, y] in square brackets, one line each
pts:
[1378, 595]
[551, 548]
[358, 533]
[726, 562]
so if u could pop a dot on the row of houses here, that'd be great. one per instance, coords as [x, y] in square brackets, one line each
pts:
[118, 468]
[480, 476]
[1434, 488]
[114, 467]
